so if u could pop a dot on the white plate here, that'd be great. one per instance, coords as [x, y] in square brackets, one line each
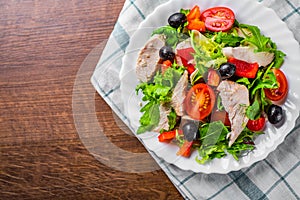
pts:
[246, 11]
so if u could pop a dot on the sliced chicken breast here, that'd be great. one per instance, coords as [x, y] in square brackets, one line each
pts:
[163, 120]
[148, 60]
[179, 94]
[247, 54]
[235, 99]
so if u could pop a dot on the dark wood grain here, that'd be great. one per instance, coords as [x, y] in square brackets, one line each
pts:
[42, 45]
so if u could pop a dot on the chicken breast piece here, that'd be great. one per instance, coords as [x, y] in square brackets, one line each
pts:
[163, 119]
[179, 94]
[247, 54]
[235, 99]
[148, 60]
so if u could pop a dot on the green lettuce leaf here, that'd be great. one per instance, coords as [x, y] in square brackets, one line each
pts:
[157, 93]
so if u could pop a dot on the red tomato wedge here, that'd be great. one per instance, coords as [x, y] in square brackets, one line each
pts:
[186, 149]
[199, 101]
[218, 18]
[257, 124]
[186, 55]
[244, 69]
[279, 94]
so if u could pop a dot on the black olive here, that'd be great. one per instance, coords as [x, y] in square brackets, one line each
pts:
[177, 19]
[167, 53]
[275, 114]
[190, 131]
[227, 70]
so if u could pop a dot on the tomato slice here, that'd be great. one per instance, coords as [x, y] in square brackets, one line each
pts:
[279, 94]
[186, 55]
[257, 124]
[218, 18]
[199, 101]
[185, 149]
[244, 69]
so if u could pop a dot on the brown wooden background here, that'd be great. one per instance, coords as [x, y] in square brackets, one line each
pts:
[42, 45]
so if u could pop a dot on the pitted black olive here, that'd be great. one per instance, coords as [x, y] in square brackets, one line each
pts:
[275, 114]
[177, 19]
[227, 70]
[190, 131]
[166, 53]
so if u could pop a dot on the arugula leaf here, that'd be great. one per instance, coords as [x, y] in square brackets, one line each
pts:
[225, 39]
[243, 144]
[257, 39]
[214, 142]
[263, 43]
[173, 36]
[253, 112]
[265, 79]
[212, 133]
[215, 145]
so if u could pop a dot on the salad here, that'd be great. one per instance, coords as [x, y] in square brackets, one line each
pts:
[210, 83]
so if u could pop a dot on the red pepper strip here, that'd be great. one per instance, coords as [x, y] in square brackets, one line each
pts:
[196, 24]
[186, 55]
[185, 149]
[167, 136]
[244, 69]
[194, 13]
[166, 64]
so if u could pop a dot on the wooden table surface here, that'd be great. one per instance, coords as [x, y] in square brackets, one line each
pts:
[43, 43]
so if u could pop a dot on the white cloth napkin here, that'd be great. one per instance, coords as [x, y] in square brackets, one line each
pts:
[276, 177]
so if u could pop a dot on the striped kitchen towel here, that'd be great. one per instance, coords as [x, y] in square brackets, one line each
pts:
[276, 177]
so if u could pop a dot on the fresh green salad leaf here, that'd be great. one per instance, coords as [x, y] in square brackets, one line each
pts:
[156, 93]
[260, 41]
[150, 118]
[172, 119]
[265, 79]
[170, 77]
[253, 112]
[173, 35]
[263, 43]
[215, 145]
[207, 52]
[185, 11]
[225, 39]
